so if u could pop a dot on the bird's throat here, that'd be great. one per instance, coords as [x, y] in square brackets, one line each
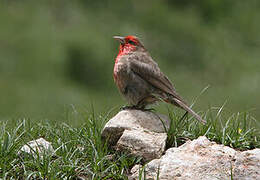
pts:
[126, 49]
[123, 50]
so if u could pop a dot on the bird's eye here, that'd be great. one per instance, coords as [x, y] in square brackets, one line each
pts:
[131, 42]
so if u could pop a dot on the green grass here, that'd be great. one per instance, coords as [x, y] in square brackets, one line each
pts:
[237, 130]
[80, 152]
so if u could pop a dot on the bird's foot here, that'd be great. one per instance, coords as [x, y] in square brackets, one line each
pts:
[149, 109]
[127, 107]
[136, 108]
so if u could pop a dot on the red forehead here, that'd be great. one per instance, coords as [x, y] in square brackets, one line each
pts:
[132, 38]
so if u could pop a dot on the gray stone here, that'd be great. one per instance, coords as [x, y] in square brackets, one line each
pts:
[134, 119]
[201, 159]
[247, 165]
[39, 146]
[141, 133]
[147, 144]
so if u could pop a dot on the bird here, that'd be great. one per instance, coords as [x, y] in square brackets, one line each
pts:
[140, 80]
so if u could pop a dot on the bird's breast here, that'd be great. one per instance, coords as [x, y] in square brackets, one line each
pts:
[119, 70]
[120, 66]
[120, 73]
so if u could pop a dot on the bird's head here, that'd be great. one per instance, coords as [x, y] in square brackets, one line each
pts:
[129, 44]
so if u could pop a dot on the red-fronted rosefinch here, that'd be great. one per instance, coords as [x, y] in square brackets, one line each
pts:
[140, 80]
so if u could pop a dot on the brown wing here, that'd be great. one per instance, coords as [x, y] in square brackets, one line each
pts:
[150, 72]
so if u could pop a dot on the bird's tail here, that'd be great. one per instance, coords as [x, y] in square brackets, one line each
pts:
[184, 106]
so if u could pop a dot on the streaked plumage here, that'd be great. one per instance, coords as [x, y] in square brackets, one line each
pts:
[140, 80]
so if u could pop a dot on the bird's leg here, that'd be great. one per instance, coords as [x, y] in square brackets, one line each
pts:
[136, 107]
[142, 104]
[149, 109]
[142, 108]
[127, 107]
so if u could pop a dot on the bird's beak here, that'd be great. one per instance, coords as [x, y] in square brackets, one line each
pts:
[120, 39]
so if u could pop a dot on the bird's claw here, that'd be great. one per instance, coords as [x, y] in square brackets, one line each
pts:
[126, 107]
[130, 107]
[150, 110]
[136, 108]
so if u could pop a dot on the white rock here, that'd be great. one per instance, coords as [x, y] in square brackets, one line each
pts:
[142, 133]
[247, 165]
[201, 159]
[147, 144]
[39, 146]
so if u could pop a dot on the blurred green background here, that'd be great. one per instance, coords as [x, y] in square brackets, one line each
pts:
[58, 55]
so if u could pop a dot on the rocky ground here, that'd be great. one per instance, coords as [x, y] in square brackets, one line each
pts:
[144, 134]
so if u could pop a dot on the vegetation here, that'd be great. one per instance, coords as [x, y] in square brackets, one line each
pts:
[56, 60]
[80, 152]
